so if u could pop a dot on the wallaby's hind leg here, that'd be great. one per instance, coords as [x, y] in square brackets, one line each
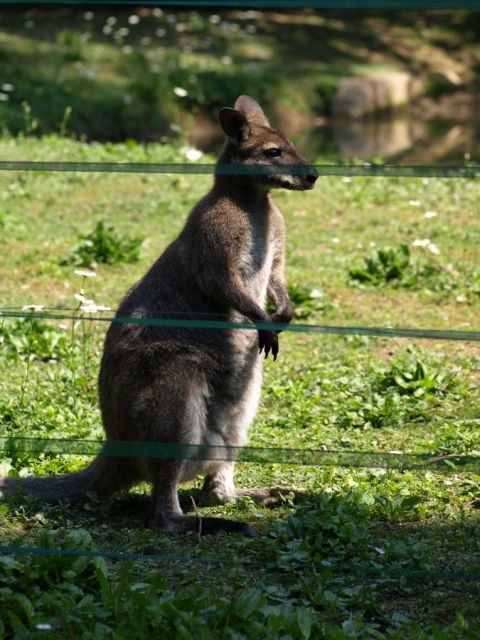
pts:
[219, 487]
[182, 421]
[166, 512]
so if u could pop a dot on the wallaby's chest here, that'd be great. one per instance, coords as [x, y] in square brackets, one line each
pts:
[256, 254]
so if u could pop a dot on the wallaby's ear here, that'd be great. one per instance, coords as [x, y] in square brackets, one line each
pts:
[234, 124]
[251, 109]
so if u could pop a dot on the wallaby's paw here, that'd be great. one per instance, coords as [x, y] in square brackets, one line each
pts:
[200, 525]
[214, 498]
[268, 497]
[268, 342]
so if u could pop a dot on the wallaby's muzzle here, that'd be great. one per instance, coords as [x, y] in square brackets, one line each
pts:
[311, 177]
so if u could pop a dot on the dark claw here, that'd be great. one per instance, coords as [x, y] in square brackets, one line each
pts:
[268, 342]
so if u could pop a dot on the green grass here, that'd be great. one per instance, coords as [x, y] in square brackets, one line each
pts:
[324, 392]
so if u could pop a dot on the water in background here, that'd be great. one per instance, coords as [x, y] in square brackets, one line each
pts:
[408, 137]
[400, 139]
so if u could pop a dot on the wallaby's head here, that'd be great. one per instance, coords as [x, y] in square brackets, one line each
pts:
[251, 140]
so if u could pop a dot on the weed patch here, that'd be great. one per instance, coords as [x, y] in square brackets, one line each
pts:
[399, 268]
[103, 245]
[31, 338]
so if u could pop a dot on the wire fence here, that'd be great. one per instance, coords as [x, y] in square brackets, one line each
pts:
[313, 457]
[271, 4]
[366, 170]
[221, 324]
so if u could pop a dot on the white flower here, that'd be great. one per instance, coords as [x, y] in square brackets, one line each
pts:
[107, 30]
[4, 97]
[133, 19]
[91, 307]
[421, 243]
[81, 298]
[180, 92]
[88, 15]
[6, 86]
[111, 21]
[414, 203]
[425, 243]
[346, 179]
[85, 274]
[193, 154]
[160, 33]
[43, 626]
[33, 307]
[430, 214]
[123, 32]
[227, 60]
[335, 240]
[215, 19]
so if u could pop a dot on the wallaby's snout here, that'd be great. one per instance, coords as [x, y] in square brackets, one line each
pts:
[311, 176]
[252, 140]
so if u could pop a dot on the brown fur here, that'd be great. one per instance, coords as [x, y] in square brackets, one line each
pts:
[196, 385]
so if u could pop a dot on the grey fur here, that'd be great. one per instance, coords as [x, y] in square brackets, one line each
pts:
[195, 385]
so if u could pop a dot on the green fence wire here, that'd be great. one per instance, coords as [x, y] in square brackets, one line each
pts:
[11, 446]
[352, 170]
[306, 566]
[271, 4]
[210, 323]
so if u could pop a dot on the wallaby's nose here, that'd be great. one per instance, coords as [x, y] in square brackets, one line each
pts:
[312, 175]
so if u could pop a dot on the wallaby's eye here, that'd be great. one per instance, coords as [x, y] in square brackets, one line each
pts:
[273, 153]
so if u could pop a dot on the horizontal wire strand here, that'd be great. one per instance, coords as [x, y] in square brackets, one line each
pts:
[210, 323]
[364, 170]
[12, 445]
[273, 4]
[157, 557]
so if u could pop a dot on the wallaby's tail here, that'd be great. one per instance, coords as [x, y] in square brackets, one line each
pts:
[104, 476]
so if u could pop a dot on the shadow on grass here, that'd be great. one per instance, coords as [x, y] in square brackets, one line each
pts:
[333, 551]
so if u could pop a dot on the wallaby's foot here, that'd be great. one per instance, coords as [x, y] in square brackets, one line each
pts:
[264, 496]
[271, 497]
[268, 341]
[202, 526]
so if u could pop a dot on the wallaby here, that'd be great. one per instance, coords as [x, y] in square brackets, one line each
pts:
[190, 385]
